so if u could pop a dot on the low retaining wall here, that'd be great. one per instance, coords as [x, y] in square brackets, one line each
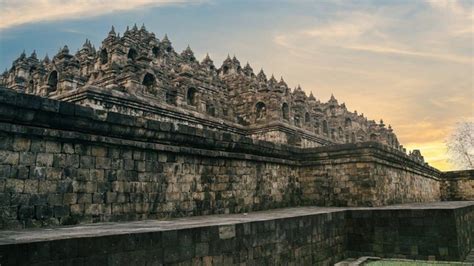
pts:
[350, 175]
[413, 233]
[301, 236]
[62, 163]
[458, 185]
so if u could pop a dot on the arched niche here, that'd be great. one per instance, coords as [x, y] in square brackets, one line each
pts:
[225, 70]
[53, 81]
[348, 123]
[191, 97]
[156, 51]
[210, 109]
[149, 81]
[297, 120]
[132, 54]
[31, 86]
[171, 97]
[104, 56]
[285, 111]
[261, 111]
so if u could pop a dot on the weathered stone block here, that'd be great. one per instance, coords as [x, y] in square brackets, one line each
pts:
[52, 147]
[5, 171]
[27, 158]
[9, 157]
[43, 212]
[38, 145]
[68, 148]
[61, 211]
[98, 151]
[44, 159]
[84, 198]
[21, 144]
[55, 199]
[31, 186]
[69, 198]
[87, 162]
[14, 185]
[103, 163]
[92, 209]
[226, 231]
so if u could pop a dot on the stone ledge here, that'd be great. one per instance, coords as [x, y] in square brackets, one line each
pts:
[8, 237]
[221, 238]
[460, 174]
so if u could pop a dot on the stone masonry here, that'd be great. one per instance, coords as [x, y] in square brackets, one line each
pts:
[62, 163]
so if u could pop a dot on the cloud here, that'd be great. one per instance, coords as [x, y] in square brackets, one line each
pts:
[407, 62]
[428, 34]
[14, 12]
[358, 24]
[461, 17]
[396, 51]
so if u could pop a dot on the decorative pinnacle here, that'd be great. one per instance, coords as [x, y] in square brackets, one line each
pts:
[86, 44]
[207, 59]
[65, 49]
[112, 31]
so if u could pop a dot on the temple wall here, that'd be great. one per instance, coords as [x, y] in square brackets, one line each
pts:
[458, 185]
[351, 175]
[62, 163]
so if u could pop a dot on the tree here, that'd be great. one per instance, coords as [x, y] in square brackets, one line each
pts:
[461, 145]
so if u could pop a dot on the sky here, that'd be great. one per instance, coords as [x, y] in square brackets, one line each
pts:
[409, 62]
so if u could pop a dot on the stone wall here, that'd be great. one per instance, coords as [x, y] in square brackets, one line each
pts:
[62, 163]
[414, 233]
[293, 236]
[464, 219]
[369, 175]
[458, 185]
[301, 240]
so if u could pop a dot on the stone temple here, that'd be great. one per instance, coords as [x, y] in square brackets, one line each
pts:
[111, 146]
